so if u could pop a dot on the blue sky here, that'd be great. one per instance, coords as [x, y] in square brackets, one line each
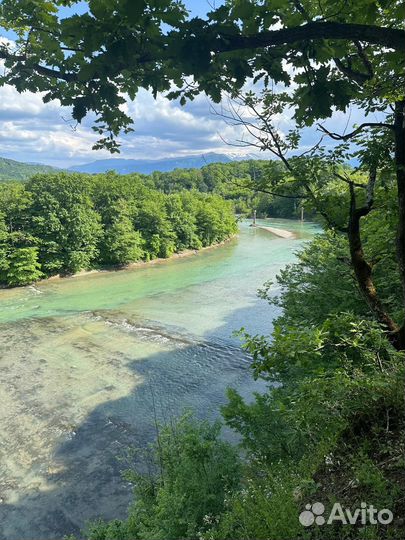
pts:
[36, 132]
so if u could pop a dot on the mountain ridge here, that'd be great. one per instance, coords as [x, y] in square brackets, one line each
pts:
[147, 166]
[11, 169]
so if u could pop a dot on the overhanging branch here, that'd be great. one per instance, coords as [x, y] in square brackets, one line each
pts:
[390, 38]
[385, 37]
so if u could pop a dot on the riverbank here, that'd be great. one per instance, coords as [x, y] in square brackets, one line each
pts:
[138, 264]
[282, 233]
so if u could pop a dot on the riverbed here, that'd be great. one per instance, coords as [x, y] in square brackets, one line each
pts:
[88, 362]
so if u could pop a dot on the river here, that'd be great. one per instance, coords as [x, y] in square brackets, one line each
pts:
[86, 362]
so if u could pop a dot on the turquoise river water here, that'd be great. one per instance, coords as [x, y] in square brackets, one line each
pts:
[87, 362]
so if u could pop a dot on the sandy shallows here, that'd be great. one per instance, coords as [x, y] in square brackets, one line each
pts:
[279, 232]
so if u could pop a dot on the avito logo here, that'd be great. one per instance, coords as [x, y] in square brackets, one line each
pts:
[314, 514]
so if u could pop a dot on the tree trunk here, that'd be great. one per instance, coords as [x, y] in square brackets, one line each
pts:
[363, 272]
[399, 134]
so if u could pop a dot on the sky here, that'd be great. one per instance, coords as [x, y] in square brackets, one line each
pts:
[32, 131]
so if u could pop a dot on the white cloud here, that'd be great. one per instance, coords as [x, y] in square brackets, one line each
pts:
[33, 131]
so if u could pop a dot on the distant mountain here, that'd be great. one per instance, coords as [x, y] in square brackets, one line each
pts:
[147, 166]
[16, 170]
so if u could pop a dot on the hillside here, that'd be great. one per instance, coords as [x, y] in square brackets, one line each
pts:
[147, 166]
[17, 170]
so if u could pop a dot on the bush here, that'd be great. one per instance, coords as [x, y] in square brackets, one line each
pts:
[191, 470]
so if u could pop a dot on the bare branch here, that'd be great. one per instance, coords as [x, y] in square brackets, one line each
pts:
[313, 148]
[357, 76]
[372, 125]
[253, 187]
[348, 181]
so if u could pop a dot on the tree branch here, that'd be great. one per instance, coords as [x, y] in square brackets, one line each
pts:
[364, 58]
[349, 182]
[41, 70]
[358, 130]
[357, 76]
[253, 187]
[386, 37]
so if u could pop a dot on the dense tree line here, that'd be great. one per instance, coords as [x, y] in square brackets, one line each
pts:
[64, 223]
[240, 181]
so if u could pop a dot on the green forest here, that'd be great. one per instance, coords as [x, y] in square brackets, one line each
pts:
[330, 425]
[242, 182]
[64, 223]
